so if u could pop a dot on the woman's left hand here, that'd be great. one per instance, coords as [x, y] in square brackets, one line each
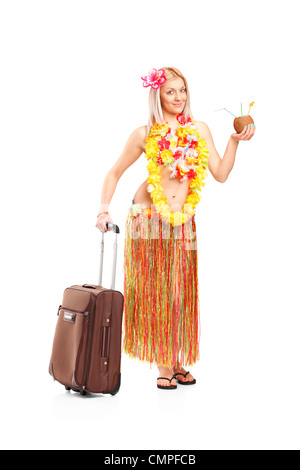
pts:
[246, 134]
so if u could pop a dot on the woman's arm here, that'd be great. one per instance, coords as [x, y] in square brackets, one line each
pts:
[220, 168]
[133, 149]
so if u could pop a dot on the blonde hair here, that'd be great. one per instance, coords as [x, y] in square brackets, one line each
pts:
[155, 110]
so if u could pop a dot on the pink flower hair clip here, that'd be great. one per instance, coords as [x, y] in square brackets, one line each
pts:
[154, 78]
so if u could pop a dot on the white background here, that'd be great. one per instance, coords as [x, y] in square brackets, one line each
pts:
[71, 94]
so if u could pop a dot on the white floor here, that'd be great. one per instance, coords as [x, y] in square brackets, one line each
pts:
[238, 402]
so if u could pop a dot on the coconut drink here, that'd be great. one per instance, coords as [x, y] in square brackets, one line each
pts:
[241, 122]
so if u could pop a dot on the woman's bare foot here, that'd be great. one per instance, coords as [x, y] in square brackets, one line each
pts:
[165, 372]
[178, 368]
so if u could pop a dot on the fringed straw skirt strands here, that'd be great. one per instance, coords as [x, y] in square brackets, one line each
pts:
[161, 303]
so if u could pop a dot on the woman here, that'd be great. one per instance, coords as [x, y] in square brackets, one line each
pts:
[161, 304]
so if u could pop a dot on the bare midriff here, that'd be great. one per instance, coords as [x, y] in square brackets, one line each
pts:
[175, 191]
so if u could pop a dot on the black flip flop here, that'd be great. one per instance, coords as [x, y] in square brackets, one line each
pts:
[167, 387]
[192, 382]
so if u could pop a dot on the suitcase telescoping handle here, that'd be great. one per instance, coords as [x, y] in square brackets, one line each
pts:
[116, 230]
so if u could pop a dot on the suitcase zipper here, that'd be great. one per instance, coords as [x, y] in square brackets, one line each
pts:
[92, 307]
[87, 361]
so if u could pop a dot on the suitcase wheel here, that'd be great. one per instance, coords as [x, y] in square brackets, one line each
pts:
[83, 392]
[68, 388]
[115, 390]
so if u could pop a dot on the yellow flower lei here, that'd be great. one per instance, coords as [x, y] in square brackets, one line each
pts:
[200, 164]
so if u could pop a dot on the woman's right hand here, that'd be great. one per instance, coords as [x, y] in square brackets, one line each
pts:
[101, 222]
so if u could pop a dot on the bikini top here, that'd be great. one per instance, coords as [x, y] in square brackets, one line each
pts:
[176, 152]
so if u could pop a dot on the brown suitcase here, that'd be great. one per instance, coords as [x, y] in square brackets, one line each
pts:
[86, 352]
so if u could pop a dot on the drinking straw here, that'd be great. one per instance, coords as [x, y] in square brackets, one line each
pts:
[225, 110]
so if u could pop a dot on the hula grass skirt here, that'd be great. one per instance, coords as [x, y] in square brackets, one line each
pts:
[161, 305]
